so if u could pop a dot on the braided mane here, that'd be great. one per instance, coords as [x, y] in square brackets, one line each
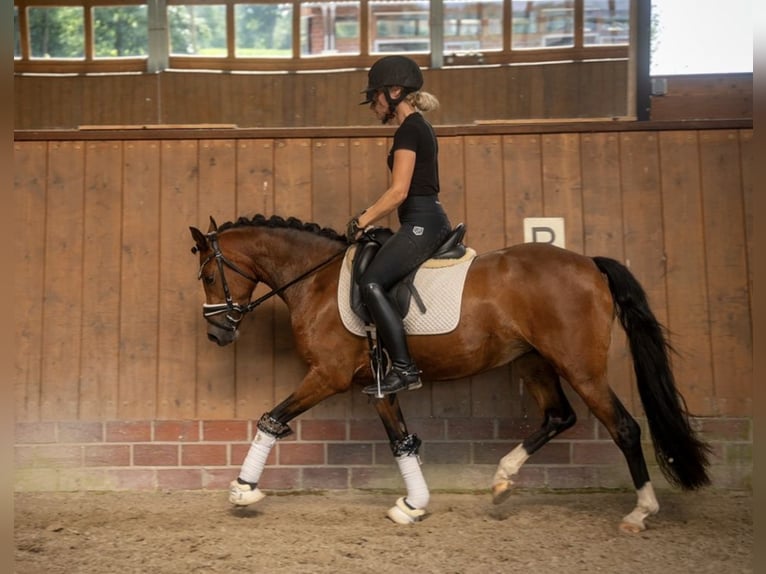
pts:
[278, 222]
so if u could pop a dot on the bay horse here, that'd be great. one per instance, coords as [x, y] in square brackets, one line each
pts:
[549, 309]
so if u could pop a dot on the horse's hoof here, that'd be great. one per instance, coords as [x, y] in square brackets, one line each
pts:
[403, 514]
[501, 492]
[631, 527]
[244, 494]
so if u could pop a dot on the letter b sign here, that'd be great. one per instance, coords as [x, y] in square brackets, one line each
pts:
[544, 230]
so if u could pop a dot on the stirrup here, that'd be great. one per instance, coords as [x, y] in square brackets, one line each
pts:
[397, 379]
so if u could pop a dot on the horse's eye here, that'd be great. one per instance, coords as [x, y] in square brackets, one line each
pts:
[208, 279]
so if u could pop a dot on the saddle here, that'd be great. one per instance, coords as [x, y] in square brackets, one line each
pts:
[403, 292]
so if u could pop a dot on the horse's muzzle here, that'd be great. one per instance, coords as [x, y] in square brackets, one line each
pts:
[221, 337]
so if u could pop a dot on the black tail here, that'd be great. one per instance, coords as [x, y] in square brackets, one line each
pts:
[682, 456]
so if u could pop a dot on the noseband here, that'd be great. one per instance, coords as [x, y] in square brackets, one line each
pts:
[233, 311]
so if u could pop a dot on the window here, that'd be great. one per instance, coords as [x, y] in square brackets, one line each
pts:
[197, 30]
[329, 28]
[263, 30]
[606, 22]
[397, 26]
[543, 24]
[120, 31]
[473, 26]
[57, 32]
[132, 35]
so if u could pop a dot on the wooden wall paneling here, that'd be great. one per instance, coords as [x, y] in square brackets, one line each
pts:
[101, 288]
[522, 183]
[292, 197]
[254, 349]
[562, 185]
[452, 179]
[603, 231]
[685, 247]
[643, 237]
[726, 266]
[29, 192]
[120, 99]
[62, 312]
[139, 281]
[484, 192]
[180, 293]
[452, 398]
[331, 175]
[368, 173]
[746, 165]
[330, 201]
[216, 388]
[561, 90]
[523, 190]
[485, 200]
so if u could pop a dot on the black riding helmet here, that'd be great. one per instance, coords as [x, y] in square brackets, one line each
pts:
[390, 71]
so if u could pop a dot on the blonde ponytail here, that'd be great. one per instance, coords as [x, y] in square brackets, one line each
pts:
[423, 101]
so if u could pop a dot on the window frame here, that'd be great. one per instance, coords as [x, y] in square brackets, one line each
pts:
[296, 62]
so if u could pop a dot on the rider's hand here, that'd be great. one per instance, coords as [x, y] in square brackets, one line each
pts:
[352, 229]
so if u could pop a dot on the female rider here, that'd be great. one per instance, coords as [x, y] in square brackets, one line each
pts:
[394, 95]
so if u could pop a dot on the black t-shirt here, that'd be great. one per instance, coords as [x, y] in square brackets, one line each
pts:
[417, 135]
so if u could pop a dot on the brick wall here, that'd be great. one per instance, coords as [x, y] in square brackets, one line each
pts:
[457, 453]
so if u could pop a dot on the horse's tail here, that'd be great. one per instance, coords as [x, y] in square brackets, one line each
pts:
[682, 456]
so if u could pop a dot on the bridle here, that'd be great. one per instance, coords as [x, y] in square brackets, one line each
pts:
[233, 311]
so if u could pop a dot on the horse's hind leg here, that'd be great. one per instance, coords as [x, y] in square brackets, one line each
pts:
[542, 382]
[626, 434]
[404, 446]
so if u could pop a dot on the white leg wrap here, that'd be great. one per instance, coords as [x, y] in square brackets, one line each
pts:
[646, 506]
[510, 464]
[417, 489]
[256, 457]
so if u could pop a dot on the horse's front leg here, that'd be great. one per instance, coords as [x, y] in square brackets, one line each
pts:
[404, 446]
[273, 426]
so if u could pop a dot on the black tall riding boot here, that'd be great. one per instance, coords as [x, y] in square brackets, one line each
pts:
[403, 375]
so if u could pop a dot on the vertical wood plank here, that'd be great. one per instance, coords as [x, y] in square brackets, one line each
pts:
[484, 201]
[522, 183]
[452, 179]
[562, 185]
[368, 173]
[643, 235]
[726, 264]
[330, 182]
[688, 306]
[602, 223]
[180, 294]
[330, 166]
[101, 289]
[62, 312]
[255, 348]
[29, 189]
[746, 165]
[216, 389]
[451, 398]
[139, 307]
[292, 197]
[484, 192]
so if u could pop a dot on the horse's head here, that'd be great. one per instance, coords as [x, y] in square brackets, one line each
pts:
[227, 295]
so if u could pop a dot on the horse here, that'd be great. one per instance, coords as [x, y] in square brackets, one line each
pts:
[548, 309]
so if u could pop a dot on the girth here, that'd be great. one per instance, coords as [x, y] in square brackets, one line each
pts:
[403, 292]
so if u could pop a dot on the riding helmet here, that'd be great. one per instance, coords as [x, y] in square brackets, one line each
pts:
[394, 70]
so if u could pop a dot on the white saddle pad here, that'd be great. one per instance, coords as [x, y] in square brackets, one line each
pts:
[440, 285]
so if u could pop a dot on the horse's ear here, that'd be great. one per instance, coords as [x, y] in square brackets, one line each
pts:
[213, 225]
[199, 239]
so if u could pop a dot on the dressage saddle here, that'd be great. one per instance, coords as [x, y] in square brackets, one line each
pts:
[403, 292]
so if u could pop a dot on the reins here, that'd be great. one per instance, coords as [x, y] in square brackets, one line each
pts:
[231, 306]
